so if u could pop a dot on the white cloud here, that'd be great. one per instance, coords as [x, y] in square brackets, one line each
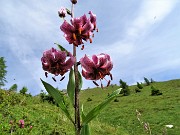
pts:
[151, 12]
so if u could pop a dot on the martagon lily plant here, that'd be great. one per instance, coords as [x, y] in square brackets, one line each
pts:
[59, 62]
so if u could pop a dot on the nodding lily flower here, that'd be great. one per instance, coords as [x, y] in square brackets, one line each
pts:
[80, 29]
[96, 68]
[54, 62]
[21, 123]
[62, 12]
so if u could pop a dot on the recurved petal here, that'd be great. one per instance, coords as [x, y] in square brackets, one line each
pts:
[60, 56]
[107, 67]
[83, 19]
[87, 27]
[67, 28]
[95, 59]
[87, 64]
[76, 22]
[88, 76]
[68, 64]
[69, 38]
[92, 17]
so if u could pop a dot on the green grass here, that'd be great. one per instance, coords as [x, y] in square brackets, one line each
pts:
[118, 118]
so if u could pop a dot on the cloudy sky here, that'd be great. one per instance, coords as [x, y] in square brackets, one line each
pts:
[141, 36]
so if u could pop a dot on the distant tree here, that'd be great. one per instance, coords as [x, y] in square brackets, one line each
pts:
[125, 88]
[139, 85]
[13, 87]
[146, 81]
[23, 90]
[2, 71]
[152, 81]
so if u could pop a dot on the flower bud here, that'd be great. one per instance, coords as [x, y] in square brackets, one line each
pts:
[62, 12]
[74, 1]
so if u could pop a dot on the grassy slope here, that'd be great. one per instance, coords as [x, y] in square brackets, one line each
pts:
[119, 118]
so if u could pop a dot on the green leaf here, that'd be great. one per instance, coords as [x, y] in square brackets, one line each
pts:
[61, 48]
[58, 98]
[68, 11]
[85, 130]
[95, 111]
[80, 80]
[71, 86]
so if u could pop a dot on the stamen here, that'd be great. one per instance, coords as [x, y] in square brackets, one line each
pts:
[108, 83]
[95, 83]
[46, 74]
[54, 79]
[111, 76]
[101, 75]
[82, 48]
[79, 31]
[97, 30]
[102, 85]
[90, 40]
[62, 78]
[74, 36]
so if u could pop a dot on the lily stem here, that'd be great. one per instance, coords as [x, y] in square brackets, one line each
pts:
[76, 96]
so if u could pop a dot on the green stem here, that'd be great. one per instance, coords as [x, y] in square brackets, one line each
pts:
[76, 96]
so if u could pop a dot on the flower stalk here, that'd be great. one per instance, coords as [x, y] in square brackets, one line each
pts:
[76, 96]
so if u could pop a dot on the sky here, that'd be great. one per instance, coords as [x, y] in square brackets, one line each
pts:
[141, 36]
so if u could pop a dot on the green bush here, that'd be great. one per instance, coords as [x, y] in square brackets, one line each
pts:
[89, 99]
[139, 85]
[146, 81]
[125, 88]
[155, 91]
[137, 90]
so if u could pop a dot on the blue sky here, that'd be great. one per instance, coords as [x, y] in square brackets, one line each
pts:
[141, 36]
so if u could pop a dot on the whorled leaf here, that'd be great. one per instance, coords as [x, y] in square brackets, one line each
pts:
[58, 98]
[80, 80]
[61, 48]
[95, 111]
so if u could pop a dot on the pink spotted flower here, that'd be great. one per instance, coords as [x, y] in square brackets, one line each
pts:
[80, 29]
[97, 67]
[56, 62]
[21, 123]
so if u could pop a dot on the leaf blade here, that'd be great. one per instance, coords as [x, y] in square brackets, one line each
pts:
[58, 98]
[80, 80]
[95, 111]
[85, 129]
[71, 86]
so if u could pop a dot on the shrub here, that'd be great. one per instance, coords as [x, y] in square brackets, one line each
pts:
[13, 87]
[125, 88]
[139, 85]
[23, 90]
[3, 71]
[116, 100]
[137, 90]
[146, 81]
[155, 91]
[89, 99]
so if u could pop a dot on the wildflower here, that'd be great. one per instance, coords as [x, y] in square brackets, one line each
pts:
[21, 123]
[54, 62]
[97, 67]
[31, 127]
[62, 12]
[80, 29]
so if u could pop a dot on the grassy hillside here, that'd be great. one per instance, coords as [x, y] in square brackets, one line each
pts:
[118, 118]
